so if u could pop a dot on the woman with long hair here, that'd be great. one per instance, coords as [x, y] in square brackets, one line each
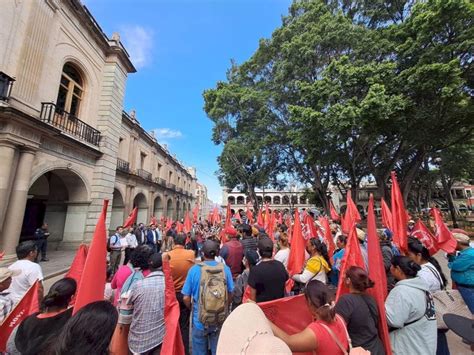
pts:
[89, 331]
[410, 310]
[360, 311]
[319, 336]
[318, 265]
[283, 249]
[433, 275]
[37, 332]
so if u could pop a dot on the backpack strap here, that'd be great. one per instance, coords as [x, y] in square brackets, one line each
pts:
[435, 272]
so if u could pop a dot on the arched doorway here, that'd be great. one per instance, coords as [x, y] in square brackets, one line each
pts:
[118, 208]
[178, 212]
[157, 208]
[140, 202]
[169, 208]
[59, 198]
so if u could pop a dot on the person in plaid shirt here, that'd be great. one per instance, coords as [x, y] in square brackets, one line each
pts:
[6, 303]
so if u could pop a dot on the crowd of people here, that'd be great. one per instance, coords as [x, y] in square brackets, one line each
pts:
[218, 270]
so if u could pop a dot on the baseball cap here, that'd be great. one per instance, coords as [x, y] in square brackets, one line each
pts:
[5, 273]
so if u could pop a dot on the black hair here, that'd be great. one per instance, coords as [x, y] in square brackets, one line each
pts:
[320, 296]
[60, 294]
[321, 249]
[210, 248]
[180, 239]
[155, 261]
[246, 230]
[25, 248]
[408, 266]
[265, 247]
[116, 229]
[140, 256]
[359, 278]
[89, 331]
[342, 238]
[415, 246]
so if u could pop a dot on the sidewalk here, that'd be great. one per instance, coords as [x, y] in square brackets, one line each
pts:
[59, 262]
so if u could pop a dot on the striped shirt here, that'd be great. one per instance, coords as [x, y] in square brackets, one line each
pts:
[6, 305]
[147, 297]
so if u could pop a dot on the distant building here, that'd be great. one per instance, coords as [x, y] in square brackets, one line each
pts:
[205, 203]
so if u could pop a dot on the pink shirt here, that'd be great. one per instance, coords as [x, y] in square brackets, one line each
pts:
[119, 279]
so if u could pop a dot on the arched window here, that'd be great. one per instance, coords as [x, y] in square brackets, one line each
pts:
[240, 200]
[276, 200]
[231, 200]
[286, 200]
[268, 199]
[71, 90]
[302, 200]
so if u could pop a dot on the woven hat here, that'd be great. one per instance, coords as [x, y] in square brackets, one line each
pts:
[5, 273]
[360, 234]
[461, 238]
[247, 331]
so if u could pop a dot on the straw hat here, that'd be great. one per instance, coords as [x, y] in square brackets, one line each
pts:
[247, 331]
[360, 234]
[461, 238]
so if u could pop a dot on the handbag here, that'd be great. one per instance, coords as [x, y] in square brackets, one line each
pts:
[352, 351]
[449, 301]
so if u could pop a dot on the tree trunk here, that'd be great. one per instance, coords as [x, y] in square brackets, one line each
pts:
[413, 170]
[253, 197]
[449, 199]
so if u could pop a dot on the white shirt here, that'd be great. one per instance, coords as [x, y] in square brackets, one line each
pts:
[123, 242]
[282, 256]
[131, 240]
[30, 272]
[431, 276]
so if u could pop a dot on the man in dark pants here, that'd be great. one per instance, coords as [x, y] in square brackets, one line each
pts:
[41, 239]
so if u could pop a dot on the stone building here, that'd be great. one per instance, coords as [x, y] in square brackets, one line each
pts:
[202, 198]
[65, 142]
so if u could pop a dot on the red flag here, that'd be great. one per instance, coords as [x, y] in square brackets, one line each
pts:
[290, 314]
[28, 305]
[215, 218]
[386, 215]
[352, 257]
[424, 235]
[92, 284]
[309, 221]
[334, 215]
[280, 218]
[179, 227]
[351, 211]
[228, 216]
[187, 223]
[131, 219]
[169, 223]
[328, 236]
[377, 273]
[237, 217]
[297, 251]
[196, 212]
[154, 221]
[399, 216]
[345, 224]
[260, 221]
[77, 266]
[172, 341]
[445, 238]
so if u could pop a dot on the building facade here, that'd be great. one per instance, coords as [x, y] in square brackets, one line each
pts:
[280, 200]
[202, 198]
[65, 142]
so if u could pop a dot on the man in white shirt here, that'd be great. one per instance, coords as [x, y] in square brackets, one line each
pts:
[130, 244]
[30, 271]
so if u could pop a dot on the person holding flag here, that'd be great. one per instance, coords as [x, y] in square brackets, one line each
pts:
[318, 265]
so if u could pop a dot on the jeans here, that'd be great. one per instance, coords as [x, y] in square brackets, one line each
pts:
[42, 245]
[467, 294]
[184, 313]
[204, 340]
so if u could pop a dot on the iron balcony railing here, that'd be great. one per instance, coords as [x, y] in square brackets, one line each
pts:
[123, 165]
[144, 174]
[160, 181]
[68, 123]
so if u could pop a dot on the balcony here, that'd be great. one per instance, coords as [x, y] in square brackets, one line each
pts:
[144, 174]
[172, 186]
[123, 165]
[68, 123]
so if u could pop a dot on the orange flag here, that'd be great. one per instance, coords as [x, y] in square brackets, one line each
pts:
[297, 251]
[328, 236]
[386, 215]
[92, 284]
[445, 238]
[352, 257]
[131, 219]
[172, 341]
[377, 273]
[187, 224]
[77, 266]
[399, 216]
[334, 215]
[28, 305]
[424, 235]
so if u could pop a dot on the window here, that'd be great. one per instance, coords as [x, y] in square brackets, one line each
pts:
[142, 160]
[170, 177]
[179, 180]
[70, 90]
[159, 169]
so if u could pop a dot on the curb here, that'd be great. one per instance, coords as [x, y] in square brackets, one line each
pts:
[56, 273]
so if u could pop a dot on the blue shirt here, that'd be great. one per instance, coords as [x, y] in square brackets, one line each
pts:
[462, 267]
[191, 288]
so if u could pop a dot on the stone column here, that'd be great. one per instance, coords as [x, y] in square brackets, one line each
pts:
[16, 208]
[7, 155]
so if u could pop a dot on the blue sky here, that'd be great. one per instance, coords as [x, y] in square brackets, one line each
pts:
[181, 48]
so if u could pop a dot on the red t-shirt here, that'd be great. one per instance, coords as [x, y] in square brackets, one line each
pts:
[326, 343]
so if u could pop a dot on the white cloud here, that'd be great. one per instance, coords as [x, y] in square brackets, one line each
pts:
[166, 133]
[139, 44]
